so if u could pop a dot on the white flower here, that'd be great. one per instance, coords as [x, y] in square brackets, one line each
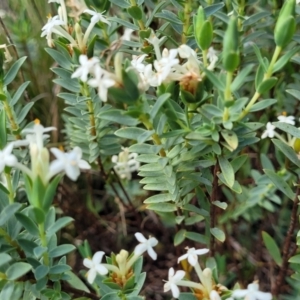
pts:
[145, 245]
[192, 255]
[173, 280]
[95, 266]
[96, 17]
[127, 34]
[137, 62]
[6, 158]
[214, 295]
[103, 81]
[212, 57]
[8, 57]
[252, 293]
[69, 162]
[126, 163]
[269, 132]
[86, 67]
[35, 135]
[287, 119]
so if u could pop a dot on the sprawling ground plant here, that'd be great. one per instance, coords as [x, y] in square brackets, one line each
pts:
[196, 99]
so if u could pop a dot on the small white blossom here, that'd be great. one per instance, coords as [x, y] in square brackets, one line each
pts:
[137, 62]
[95, 266]
[7, 55]
[269, 132]
[251, 293]
[69, 162]
[127, 34]
[103, 81]
[145, 245]
[287, 119]
[7, 158]
[86, 67]
[173, 280]
[96, 17]
[126, 163]
[192, 255]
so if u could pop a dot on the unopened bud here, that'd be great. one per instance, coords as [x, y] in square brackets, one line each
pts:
[286, 24]
[297, 146]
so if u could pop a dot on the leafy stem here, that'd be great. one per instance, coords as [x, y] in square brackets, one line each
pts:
[44, 242]
[227, 94]
[11, 196]
[186, 24]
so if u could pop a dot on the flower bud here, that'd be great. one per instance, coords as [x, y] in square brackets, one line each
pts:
[203, 30]
[286, 24]
[297, 145]
[231, 56]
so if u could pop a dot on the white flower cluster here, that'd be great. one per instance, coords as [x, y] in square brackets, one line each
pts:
[125, 163]
[70, 162]
[167, 66]
[101, 79]
[207, 287]
[96, 266]
[270, 131]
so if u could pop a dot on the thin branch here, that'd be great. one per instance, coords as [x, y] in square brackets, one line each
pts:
[79, 293]
[286, 253]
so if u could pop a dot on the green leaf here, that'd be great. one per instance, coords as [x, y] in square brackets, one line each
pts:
[131, 133]
[39, 251]
[17, 270]
[50, 192]
[266, 85]
[60, 58]
[169, 16]
[280, 184]
[135, 12]
[197, 237]
[159, 198]
[18, 93]
[238, 162]
[212, 9]
[262, 104]
[28, 224]
[295, 259]
[117, 116]
[59, 269]
[241, 77]
[4, 259]
[220, 204]
[294, 93]
[294, 131]
[158, 104]
[179, 237]
[227, 171]
[283, 60]
[288, 151]
[76, 282]
[124, 23]
[8, 212]
[218, 83]
[262, 62]
[162, 207]
[13, 71]
[61, 250]
[60, 223]
[272, 248]
[256, 18]
[41, 271]
[218, 234]
[231, 138]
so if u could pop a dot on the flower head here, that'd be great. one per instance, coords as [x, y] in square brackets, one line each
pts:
[251, 293]
[145, 245]
[86, 67]
[269, 132]
[96, 17]
[6, 157]
[126, 163]
[192, 255]
[95, 266]
[287, 119]
[173, 280]
[69, 162]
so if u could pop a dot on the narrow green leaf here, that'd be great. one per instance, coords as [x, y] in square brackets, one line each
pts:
[227, 171]
[18, 93]
[61, 250]
[60, 58]
[160, 198]
[262, 104]
[220, 204]
[3, 133]
[197, 237]
[240, 78]
[158, 104]
[272, 248]
[218, 83]
[288, 151]
[294, 131]
[59, 224]
[13, 71]
[4, 258]
[8, 212]
[162, 207]
[295, 259]
[27, 223]
[280, 184]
